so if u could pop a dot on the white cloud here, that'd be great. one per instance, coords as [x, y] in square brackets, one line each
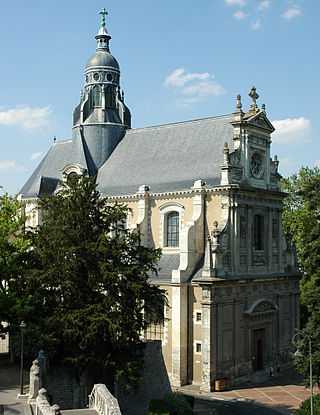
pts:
[9, 165]
[27, 118]
[292, 130]
[204, 88]
[317, 163]
[291, 13]
[35, 156]
[240, 15]
[264, 5]
[235, 2]
[256, 25]
[197, 86]
[178, 77]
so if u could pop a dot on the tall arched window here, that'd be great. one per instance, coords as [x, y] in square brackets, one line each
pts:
[258, 232]
[173, 229]
[96, 99]
[109, 97]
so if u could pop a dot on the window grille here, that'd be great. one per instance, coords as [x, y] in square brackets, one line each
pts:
[173, 229]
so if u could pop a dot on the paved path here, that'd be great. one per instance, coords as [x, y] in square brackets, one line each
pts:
[9, 404]
[283, 392]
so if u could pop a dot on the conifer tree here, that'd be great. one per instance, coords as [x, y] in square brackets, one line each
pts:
[89, 278]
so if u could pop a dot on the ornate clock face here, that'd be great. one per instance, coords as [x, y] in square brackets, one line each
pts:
[256, 165]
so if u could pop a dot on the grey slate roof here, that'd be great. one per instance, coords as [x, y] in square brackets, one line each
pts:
[167, 157]
[167, 263]
[49, 171]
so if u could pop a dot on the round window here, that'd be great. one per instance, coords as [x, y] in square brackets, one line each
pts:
[96, 76]
[109, 77]
[256, 165]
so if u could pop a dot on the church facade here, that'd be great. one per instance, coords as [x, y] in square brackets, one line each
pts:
[206, 192]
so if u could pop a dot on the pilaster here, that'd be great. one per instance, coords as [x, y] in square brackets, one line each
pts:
[179, 334]
[206, 339]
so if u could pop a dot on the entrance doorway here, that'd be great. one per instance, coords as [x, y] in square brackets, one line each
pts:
[257, 349]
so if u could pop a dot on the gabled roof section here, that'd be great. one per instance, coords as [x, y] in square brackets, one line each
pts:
[168, 157]
[46, 176]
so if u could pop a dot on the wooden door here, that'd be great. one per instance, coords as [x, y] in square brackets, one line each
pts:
[257, 349]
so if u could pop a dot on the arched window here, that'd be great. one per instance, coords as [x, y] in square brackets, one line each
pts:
[96, 99]
[258, 232]
[109, 97]
[172, 229]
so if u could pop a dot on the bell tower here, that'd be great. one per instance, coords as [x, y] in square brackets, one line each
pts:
[101, 118]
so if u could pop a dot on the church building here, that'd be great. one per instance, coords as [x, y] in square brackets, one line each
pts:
[208, 194]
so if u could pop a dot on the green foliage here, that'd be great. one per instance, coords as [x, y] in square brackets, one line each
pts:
[305, 407]
[89, 280]
[302, 209]
[14, 300]
[158, 407]
[171, 404]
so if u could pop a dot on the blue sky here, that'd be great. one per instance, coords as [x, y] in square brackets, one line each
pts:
[179, 60]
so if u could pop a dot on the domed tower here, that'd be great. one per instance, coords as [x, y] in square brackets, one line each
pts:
[101, 118]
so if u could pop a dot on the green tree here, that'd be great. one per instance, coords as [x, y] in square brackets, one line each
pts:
[14, 300]
[301, 210]
[89, 279]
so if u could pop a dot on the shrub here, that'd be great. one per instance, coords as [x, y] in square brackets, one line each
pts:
[171, 404]
[305, 407]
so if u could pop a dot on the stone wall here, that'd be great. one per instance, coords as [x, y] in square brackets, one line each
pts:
[154, 385]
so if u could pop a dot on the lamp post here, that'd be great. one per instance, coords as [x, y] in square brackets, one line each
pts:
[298, 354]
[22, 329]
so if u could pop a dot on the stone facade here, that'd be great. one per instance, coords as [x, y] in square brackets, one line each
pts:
[208, 194]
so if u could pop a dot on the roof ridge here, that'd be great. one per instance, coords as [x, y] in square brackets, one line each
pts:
[178, 123]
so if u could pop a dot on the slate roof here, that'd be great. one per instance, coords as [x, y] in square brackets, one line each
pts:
[167, 157]
[167, 263]
[45, 177]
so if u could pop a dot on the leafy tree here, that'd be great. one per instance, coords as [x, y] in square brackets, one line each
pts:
[89, 279]
[14, 300]
[301, 210]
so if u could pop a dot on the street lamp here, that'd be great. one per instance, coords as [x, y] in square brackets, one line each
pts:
[22, 328]
[298, 354]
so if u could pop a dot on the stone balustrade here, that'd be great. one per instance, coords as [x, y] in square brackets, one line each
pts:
[102, 401]
[42, 405]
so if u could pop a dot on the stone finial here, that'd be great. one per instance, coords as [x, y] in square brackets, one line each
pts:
[207, 270]
[54, 138]
[225, 153]
[42, 393]
[81, 94]
[239, 105]
[276, 161]
[254, 96]
[263, 108]
[122, 96]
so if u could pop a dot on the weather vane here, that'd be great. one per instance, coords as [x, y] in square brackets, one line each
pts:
[103, 14]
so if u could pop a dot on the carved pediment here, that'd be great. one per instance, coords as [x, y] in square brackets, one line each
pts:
[260, 120]
[262, 305]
